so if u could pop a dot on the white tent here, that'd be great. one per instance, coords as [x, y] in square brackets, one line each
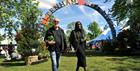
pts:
[7, 41]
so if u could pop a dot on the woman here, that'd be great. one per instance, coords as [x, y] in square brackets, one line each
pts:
[78, 42]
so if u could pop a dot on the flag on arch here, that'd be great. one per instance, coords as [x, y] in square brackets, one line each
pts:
[45, 20]
[81, 2]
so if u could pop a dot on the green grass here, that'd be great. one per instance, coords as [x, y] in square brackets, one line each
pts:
[94, 63]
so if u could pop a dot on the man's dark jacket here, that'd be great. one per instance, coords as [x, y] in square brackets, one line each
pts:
[51, 48]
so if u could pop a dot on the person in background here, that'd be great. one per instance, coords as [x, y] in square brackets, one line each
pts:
[6, 53]
[10, 49]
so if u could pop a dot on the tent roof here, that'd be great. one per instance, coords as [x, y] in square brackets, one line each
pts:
[106, 34]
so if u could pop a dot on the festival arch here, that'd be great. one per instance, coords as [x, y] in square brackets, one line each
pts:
[75, 2]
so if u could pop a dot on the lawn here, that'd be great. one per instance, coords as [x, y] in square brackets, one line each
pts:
[68, 63]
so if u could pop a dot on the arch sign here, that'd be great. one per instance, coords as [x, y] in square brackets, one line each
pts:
[64, 3]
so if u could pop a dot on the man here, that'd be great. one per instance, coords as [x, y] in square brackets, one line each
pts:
[56, 42]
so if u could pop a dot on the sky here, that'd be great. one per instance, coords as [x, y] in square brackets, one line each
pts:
[74, 13]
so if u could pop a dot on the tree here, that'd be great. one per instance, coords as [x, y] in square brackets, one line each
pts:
[70, 27]
[17, 13]
[94, 30]
[22, 17]
[128, 9]
[6, 16]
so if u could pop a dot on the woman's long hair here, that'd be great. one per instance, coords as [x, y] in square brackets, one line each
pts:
[77, 28]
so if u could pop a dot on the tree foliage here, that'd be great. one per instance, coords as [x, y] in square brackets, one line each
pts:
[70, 27]
[18, 14]
[128, 9]
[22, 17]
[94, 30]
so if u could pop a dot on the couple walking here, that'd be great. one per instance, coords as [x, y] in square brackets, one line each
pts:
[57, 44]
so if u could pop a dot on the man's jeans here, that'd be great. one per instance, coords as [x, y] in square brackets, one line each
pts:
[55, 56]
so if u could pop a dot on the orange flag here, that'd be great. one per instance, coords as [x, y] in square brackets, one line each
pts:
[45, 20]
[81, 2]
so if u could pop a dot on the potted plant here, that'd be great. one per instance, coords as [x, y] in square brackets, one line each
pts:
[43, 51]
